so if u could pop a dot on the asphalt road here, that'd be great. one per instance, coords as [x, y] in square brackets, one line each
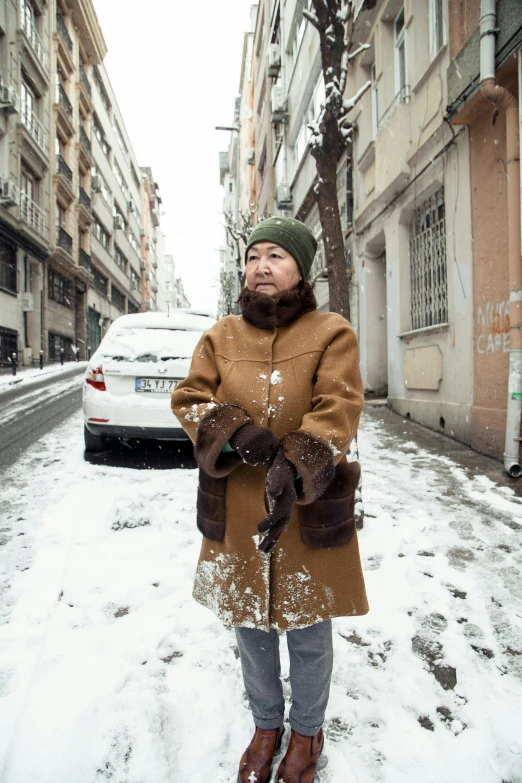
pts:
[26, 414]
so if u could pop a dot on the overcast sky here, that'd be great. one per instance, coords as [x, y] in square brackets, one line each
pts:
[175, 69]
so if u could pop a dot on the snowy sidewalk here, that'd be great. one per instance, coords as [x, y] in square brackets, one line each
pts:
[110, 671]
[29, 376]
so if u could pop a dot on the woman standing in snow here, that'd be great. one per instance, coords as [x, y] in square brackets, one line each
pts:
[272, 402]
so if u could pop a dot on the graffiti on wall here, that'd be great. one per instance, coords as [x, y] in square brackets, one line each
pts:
[493, 327]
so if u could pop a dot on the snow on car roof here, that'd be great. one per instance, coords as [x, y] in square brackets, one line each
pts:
[186, 318]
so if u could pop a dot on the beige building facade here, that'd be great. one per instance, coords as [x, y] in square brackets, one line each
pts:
[80, 237]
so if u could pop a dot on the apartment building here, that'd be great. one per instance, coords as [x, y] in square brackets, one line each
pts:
[26, 169]
[80, 238]
[174, 293]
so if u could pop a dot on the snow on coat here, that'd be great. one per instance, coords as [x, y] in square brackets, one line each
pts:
[301, 378]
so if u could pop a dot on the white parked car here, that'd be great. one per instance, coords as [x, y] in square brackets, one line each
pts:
[128, 381]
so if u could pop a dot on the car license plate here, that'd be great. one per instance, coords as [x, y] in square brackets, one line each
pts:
[157, 385]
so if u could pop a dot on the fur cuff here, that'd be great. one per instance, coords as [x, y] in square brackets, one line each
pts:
[313, 460]
[330, 520]
[214, 430]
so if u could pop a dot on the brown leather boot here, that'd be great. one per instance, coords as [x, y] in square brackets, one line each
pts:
[299, 764]
[256, 762]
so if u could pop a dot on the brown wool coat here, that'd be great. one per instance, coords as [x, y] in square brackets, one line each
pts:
[300, 379]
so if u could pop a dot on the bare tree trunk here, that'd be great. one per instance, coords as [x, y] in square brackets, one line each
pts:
[334, 20]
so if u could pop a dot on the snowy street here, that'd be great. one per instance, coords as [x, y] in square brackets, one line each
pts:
[109, 670]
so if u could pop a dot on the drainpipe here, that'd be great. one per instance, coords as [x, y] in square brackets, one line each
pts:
[503, 99]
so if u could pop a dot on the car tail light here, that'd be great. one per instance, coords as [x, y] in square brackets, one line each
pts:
[95, 378]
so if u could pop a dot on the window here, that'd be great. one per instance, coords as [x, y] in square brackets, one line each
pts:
[132, 308]
[100, 282]
[101, 89]
[100, 135]
[437, 30]
[60, 215]
[56, 344]
[29, 184]
[8, 343]
[119, 136]
[120, 178]
[133, 241]
[428, 269]
[120, 259]
[311, 114]
[134, 278]
[277, 137]
[29, 104]
[8, 266]
[28, 18]
[262, 164]
[101, 234]
[61, 289]
[400, 53]
[135, 177]
[117, 298]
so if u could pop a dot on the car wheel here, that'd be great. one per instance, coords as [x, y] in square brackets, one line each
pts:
[93, 442]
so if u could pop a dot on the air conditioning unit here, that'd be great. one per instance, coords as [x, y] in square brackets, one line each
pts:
[278, 101]
[274, 60]
[147, 275]
[27, 302]
[154, 288]
[143, 265]
[96, 183]
[134, 285]
[155, 217]
[130, 206]
[147, 246]
[9, 193]
[142, 232]
[283, 195]
[9, 100]
[251, 156]
[118, 222]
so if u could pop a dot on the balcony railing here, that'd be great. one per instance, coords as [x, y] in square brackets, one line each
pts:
[85, 140]
[35, 127]
[62, 29]
[84, 199]
[64, 240]
[35, 41]
[403, 96]
[63, 169]
[84, 260]
[31, 214]
[85, 81]
[63, 100]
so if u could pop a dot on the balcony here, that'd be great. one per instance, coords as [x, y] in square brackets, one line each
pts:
[85, 81]
[85, 265]
[64, 33]
[65, 45]
[35, 129]
[403, 96]
[64, 241]
[36, 46]
[84, 209]
[64, 110]
[32, 215]
[84, 147]
[63, 179]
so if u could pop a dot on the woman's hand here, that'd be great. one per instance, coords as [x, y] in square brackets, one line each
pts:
[255, 445]
[281, 498]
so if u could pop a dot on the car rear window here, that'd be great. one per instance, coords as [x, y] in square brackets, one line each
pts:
[138, 344]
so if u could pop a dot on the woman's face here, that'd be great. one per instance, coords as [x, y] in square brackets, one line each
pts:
[270, 269]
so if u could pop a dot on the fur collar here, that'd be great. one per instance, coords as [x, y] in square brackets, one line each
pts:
[268, 312]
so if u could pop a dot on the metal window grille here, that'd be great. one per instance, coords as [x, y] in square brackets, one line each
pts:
[428, 267]
[117, 298]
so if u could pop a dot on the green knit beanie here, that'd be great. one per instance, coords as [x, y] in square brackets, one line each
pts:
[292, 235]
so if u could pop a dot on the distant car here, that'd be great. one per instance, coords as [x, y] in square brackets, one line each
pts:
[128, 381]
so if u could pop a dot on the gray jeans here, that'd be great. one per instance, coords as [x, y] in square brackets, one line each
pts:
[311, 660]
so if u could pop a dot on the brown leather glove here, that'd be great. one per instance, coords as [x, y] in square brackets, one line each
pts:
[255, 445]
[281, 498]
